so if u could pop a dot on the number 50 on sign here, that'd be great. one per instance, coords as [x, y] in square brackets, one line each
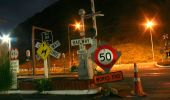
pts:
[106, 57]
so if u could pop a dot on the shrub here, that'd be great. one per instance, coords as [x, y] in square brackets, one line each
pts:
[43, 84]
[74, 69]
[5, 74]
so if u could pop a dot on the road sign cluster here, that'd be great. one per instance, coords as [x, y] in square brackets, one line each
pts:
[105, 56]
[44, 48]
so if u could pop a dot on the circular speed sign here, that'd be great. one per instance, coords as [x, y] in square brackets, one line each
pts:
[14, 54]
[105, 56]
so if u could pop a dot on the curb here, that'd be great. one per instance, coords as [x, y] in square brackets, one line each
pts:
[59, 92]
[161, 66]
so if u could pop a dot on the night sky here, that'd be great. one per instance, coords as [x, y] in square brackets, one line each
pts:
[13, 12]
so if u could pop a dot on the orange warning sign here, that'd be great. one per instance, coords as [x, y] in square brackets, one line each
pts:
[110, 77]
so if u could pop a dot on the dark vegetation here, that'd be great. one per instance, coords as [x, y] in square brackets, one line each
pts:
[5, 73]
[120, 25]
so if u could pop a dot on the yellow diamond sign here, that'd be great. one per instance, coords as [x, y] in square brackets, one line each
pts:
[44, 50]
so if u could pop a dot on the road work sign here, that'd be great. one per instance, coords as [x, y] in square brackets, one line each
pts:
[106, 78]
[81, 41]
[44, 50]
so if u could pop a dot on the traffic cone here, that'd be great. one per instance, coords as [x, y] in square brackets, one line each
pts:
[138, 90]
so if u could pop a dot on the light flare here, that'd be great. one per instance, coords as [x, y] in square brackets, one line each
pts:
[5, 38]
[77, 26]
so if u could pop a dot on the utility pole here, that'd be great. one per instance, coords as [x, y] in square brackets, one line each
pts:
[82, 15]
[94, 14]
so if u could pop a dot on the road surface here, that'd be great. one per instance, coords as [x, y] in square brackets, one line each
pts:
[155, 82]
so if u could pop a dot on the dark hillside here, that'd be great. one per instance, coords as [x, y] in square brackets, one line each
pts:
[120, 24]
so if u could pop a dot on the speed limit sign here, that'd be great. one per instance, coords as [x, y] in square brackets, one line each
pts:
[14, 54]
[105, 56]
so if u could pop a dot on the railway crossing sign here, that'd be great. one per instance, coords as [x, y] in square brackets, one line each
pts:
[53, 46]
[81, 41]
[44, 50]
[105, 57]
[55, 54]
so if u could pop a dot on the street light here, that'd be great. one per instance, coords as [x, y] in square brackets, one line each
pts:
[150, 24]
[77, 26]
[6, 39]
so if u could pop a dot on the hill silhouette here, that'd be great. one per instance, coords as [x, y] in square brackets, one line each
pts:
[121, 22]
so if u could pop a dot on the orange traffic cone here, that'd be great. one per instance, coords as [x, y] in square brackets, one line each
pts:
[138, 90]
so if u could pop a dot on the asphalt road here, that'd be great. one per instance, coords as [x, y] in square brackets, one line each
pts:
[155, 83]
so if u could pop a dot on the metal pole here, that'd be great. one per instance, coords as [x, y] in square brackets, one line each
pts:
[9, 49]
[152, 45]
[95, 27]
[33, 45]
[46, 68]
[33, 50]
[93, 16]
[82, 13]
[69, 46]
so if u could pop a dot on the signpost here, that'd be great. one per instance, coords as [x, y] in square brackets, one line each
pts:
[14, 54]
[105, 56]
[14, 63]
[81, 41]
[28, 55]
[33, 44]
[53, 46]
[47, 37]
[85, 71]
[111, 77]
[44, 51]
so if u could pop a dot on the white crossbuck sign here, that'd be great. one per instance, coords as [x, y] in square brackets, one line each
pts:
[81, 41]
[53, 46]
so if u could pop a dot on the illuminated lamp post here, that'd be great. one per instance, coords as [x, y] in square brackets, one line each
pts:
[150, 24]
[77, 26]
[6, 39]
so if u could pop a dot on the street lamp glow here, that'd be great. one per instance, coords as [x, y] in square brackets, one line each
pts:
[5, 38]
[77, 26]
[149, 24]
